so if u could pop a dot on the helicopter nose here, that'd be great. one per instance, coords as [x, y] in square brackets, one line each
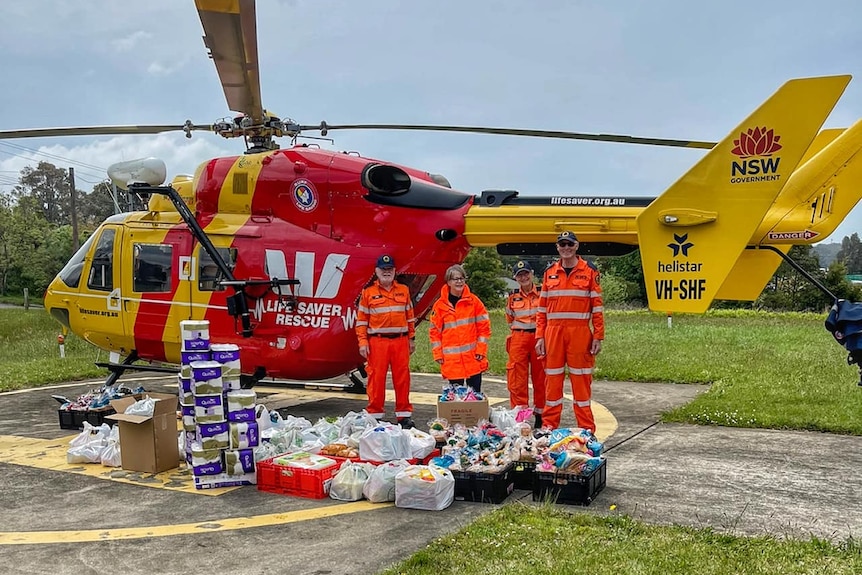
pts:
[57, 304]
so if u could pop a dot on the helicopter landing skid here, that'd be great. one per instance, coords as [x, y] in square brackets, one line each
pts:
[118, 369]
[357, 385]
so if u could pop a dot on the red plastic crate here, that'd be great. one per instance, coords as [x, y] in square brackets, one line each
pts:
[427, 459]
[296, 481]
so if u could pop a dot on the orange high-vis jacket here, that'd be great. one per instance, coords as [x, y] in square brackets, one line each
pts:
[571, 299]
[382, 311]
[458, 334]
[521, 309]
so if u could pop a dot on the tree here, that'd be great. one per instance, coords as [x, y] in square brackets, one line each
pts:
[484, 272]
[789, 290]
[627, 268]
[5, 241]
[97, 206]
[850, 254]
[47, 186]
[836, 281]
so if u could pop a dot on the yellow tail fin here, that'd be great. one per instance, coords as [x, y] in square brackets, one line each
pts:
[817, 197]
[693, 234]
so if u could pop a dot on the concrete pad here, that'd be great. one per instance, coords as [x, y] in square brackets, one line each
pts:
[749, 481]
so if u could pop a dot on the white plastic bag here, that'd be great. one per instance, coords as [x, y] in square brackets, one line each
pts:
[421, 443]
[87, 446]
[348, 482]
[380, 486]
[424, 487]
[110, 455]
[353, 422]
[385, 442]
[503, 417]
[143, 407]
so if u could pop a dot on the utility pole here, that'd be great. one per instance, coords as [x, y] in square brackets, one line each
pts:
[75, 243]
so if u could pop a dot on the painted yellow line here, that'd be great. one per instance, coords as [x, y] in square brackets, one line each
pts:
[50, 454]
[215, 525]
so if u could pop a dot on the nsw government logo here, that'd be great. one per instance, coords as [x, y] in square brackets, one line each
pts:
[755, 148]
[304, 196]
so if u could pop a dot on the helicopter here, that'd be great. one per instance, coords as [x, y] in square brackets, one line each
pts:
[274, 246]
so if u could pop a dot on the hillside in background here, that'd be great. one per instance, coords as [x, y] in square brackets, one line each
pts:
[826, 253]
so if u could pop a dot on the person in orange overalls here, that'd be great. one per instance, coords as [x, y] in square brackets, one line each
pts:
[460, 331]
[385, 330]
[571, 298]
[521, 309]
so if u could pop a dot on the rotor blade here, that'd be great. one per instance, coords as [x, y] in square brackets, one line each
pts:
[101, 130]
[230, 34]
[324, 127]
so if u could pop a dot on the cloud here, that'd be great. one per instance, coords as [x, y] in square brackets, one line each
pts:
[92, 159]
[131, 41]
[158, 68]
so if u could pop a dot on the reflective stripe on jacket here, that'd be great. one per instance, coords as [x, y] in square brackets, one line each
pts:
[571, 299]
[458, 334]
[521, 309]
[382, 311]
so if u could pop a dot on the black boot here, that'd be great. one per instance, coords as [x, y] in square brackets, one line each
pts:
[538, 424]
[406, 423]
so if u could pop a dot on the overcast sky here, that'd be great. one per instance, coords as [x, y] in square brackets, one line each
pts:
[660, 68]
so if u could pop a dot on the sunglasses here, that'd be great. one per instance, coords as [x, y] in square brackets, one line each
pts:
[566, 244]
[458, 279]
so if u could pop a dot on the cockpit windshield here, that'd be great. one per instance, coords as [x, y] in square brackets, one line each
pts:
[71, 272]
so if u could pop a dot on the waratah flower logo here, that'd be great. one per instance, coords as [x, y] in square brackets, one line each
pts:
[756, 142]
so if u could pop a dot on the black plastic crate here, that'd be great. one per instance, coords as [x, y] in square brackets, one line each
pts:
[569, 488]
[484, 487]
[96, 417]
[72, 418]
[522, 473]
[75, 418]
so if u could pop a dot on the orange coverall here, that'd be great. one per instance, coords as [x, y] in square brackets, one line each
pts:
[523, 362]
[385, 323]
[460, 333]
[567, 304]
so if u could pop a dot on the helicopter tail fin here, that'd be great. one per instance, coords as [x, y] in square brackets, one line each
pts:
[816, 199]
[687, 250]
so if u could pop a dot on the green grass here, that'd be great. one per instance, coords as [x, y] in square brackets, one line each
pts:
[30, 355]
[545, 540]
[771, 370]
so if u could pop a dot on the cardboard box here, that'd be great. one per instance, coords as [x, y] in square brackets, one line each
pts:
[148, 443]
[466, 412]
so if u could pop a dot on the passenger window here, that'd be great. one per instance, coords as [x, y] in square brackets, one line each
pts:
[152, 268]
[102, 269]
[209, 275]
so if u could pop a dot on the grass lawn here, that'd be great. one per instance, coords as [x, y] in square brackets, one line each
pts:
[545, 540]
[766, 369]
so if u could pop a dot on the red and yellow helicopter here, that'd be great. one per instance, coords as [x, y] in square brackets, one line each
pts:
[274, 246]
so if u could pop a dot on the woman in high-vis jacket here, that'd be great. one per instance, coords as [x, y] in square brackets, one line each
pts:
[460, 331]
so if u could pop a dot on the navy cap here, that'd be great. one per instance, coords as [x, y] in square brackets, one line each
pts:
[567, 236]
[521, 266]
[385, 261]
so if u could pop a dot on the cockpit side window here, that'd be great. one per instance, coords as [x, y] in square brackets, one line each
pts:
[102, 269]
[153, 264]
